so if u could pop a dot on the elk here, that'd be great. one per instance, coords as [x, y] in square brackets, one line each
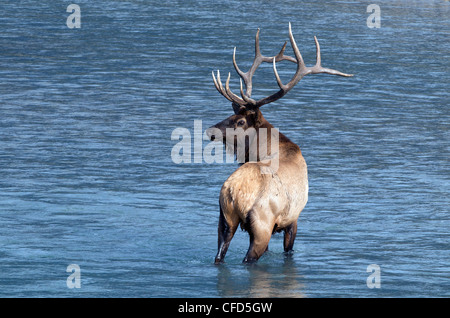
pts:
[261, 199]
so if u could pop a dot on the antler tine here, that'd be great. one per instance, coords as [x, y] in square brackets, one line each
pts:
[219, 87]
[226, 92]
[280, 56]
[279, 82]
[257, 49]
[247, 77]
[216, 84]
[233, 96]
[316, 69]
[298, 56]
[241, 74]
[318, 57]
[248, 100]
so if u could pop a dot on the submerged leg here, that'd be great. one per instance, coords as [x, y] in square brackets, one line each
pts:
[225, 234]
[289, 236]
[260, 234]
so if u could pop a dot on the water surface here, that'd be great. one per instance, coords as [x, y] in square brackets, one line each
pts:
[85, 148]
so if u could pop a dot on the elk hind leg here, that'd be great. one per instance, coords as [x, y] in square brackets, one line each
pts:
[260, 232]
[225, 234]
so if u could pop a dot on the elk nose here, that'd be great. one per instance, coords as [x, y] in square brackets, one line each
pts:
[211, 132]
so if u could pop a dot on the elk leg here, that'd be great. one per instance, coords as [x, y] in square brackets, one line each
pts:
[258, 246]
[289, 236]
[225, 234]
[260, 234]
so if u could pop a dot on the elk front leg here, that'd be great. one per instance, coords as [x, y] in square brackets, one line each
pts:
[225, 234]
[289, 236]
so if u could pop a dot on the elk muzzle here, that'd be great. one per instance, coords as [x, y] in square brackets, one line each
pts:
[218, 131]
[214, 133]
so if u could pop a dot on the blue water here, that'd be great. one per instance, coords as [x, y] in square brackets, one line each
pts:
[87, 178]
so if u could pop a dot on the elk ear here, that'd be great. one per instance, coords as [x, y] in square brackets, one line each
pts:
[238, 109]
[258, 118]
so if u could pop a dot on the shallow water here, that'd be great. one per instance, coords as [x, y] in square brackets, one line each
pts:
[87, 176]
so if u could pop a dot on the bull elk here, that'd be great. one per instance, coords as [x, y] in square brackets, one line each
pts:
[262, 203]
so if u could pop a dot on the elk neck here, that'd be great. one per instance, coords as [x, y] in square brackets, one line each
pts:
[286, 148]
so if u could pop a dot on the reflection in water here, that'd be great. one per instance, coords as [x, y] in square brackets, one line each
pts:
[261, 280]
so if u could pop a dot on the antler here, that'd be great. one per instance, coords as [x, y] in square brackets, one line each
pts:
[302, 70]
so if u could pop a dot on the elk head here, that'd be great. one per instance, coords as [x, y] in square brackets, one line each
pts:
[246, 109]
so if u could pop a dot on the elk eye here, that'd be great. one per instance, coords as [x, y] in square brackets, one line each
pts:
[241, 122]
